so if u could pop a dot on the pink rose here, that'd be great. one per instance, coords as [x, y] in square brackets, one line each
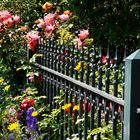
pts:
[49, 18]
[4, 15]
[83, 34]
[41, 23]
[33, 35]
[8, 22]
[16, 19]
[64, 17]
[50, 27]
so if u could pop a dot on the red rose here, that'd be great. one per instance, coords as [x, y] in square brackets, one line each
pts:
[24, 106]
[31, 102]
[26, 103]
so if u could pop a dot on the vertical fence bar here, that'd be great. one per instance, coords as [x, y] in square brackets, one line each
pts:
[93, 61]
[99, 87]
[71, 53]
[62, 123]
[80, 115]
[123, 91]
[115, 87]
[82, 64]
[107, 82]
[85, 116]
[54, 77]
[132, 97]
[87, 65]
[92, 113]
[75, 87]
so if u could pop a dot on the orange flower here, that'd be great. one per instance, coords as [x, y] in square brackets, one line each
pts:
[37, 21]
[47, 6]
[67, 12]
[23, 28]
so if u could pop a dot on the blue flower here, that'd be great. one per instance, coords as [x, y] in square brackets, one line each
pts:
[31, 121]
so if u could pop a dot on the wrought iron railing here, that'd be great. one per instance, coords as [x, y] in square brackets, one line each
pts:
[90, 80]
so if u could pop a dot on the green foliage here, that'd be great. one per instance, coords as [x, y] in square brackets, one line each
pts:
[109, 21]
[104, 130]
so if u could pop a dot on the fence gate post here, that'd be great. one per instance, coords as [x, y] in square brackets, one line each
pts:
[132, 97]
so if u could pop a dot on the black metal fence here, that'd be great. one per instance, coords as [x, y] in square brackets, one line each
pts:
[92, 82]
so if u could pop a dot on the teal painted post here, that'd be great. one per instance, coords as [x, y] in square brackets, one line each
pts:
[132, 97]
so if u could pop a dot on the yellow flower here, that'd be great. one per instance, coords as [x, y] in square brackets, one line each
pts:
[66, 106]
[7, 87]
[13, 126]
[78, 67]
[34, 113]
[1, 79]
[76, 107]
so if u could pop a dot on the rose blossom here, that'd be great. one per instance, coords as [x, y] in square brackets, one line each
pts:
[32, 35]
[83, 34]
[41, 23]
[49, 18]
[4, 15]
[32, 45]
[50, 27]
[64, 17]
[8, 22]
[16, 19]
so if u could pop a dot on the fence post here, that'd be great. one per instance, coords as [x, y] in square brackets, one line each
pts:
[132, 97]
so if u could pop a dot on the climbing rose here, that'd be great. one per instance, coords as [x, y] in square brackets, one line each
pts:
[8, 22]
[16, 19]
[4, 15]
[32, 35]
[41, 23]
[50, 27]
[83, 34]
[64, 17]
[32, 38]
[49, 19]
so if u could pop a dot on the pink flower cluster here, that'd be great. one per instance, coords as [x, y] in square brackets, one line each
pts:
[7, 20]
[50, 22]
[32, 38]
[10, 115]
[81, 37]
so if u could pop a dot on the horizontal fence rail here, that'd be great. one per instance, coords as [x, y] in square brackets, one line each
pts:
[96, 108]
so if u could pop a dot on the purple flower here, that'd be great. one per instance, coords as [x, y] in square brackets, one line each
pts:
[31, 123]
[11, 137]
[20, 112]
